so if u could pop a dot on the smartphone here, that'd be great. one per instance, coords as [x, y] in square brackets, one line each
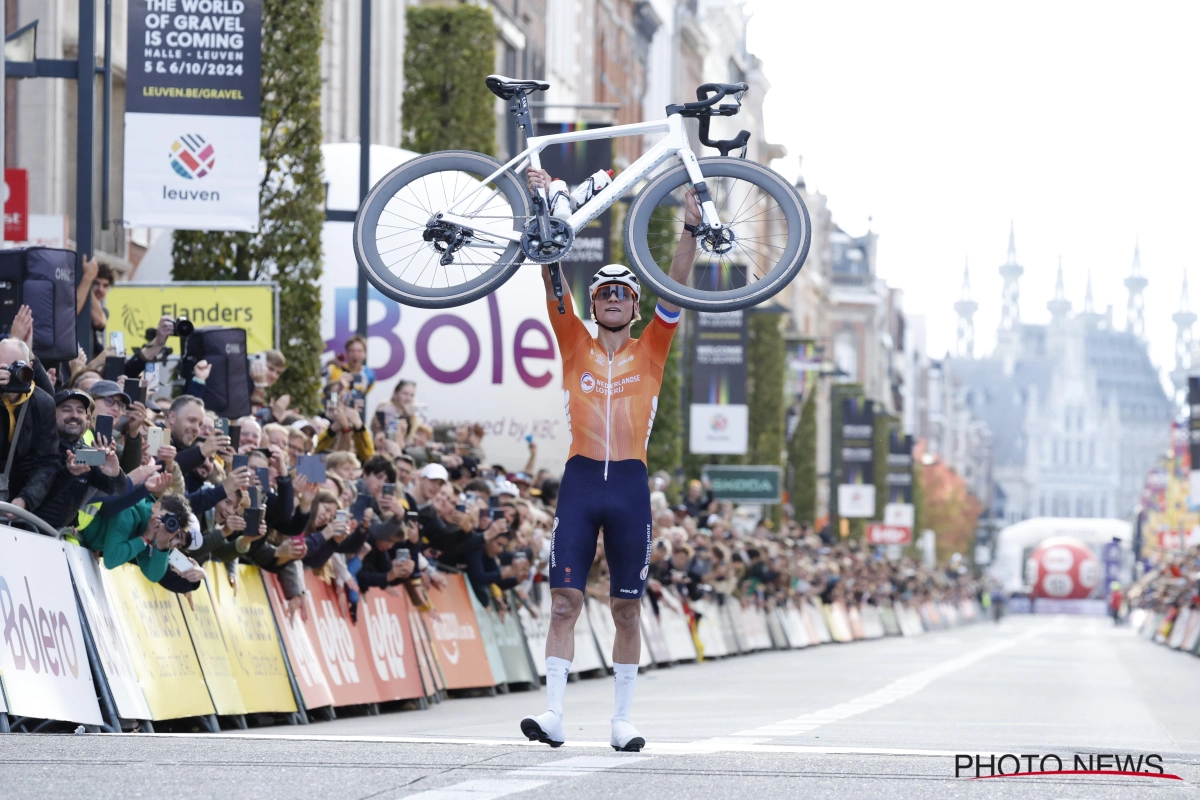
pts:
[311, 467]
[90, 456]
[381, 418]
[253, 492]
[116, 340]
[264, 477]
[114, 367]
[529, 439]
[389, 489]
[461, 508]
[151, 373]
[341, 516]
[402, 555]
[134, 390]
[104, 426]
[253, 517]
[240, 460]
[179, 561]
[235, 436]
[154, 439]
[494, 502]
[497, 513]
[222, 426]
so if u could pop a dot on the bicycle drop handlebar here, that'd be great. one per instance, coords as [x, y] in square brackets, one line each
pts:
[708, 96]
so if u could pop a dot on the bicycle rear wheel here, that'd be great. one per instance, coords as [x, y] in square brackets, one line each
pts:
[767, 238]
[392, 232]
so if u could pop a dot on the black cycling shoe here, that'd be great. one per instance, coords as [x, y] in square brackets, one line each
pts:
[634, 745]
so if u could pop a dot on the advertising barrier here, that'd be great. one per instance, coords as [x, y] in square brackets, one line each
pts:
[209, 644]
[111, 645]
[385, 629]
[301, 649]
[456, 642]
[161, 649]
[251, 641]
[44, 670]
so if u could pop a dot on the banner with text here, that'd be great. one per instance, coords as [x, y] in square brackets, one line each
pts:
[718, 352]
[135, 309]
[855, 458]
[44, 670]
[192, 121]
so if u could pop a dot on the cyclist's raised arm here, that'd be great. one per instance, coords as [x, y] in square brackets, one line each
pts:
[685, 252]
[540, 179]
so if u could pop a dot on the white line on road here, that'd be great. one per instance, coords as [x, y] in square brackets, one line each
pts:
[489, 788]
[896, 690]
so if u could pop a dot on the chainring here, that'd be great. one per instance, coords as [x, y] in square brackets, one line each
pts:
[550, 250]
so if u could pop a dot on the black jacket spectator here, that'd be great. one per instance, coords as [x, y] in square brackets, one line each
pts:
[35, 461]
[69, 492]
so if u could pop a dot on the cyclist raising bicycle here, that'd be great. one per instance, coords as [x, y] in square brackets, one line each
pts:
[612, 383]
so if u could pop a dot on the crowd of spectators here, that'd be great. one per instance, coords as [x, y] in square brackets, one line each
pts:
[1170, 583]
[141, 471]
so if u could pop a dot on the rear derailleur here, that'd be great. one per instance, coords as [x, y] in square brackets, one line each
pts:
[447, 239]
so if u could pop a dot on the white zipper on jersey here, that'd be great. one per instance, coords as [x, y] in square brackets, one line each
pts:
[607, 415]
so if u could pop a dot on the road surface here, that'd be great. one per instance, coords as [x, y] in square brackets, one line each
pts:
[884, 718]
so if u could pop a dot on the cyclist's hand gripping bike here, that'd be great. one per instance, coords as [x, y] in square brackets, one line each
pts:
[450, 227]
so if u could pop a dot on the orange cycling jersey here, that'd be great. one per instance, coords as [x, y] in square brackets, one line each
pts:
[611, 401]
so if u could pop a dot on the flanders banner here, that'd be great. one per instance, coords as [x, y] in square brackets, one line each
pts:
[44, 670]
[192, 119]
[255, 652]
[162, 650]
[135, 309]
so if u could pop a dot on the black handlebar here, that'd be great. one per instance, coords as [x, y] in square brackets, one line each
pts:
[708, 96]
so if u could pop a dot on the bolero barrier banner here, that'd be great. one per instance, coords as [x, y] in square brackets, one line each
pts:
[253, 646]
[111, 645]
[160, 647]
[44, 669]
[455, 638]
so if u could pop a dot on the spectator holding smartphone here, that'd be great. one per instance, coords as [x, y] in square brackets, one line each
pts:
[350, 367]
[75, 481]
[28, 431]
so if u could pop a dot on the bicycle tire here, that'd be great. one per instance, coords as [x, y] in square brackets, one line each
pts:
[643, 263]
[366, 224]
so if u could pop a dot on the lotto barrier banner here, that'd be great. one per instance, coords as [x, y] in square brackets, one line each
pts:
[44, 669]
[251, 642]
[456, 642]
[109, 636]
[301, 649]
[161, 649]
[385, 629]
[342, 657]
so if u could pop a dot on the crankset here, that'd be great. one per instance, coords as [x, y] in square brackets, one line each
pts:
[446, 238]
[547, 249]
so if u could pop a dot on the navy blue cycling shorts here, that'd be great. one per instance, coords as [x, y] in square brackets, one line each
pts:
[587, 503]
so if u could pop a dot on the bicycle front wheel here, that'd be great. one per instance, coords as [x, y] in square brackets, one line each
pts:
[762, 248]
[415, 260]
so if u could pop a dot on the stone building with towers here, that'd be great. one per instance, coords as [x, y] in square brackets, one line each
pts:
[1076, 411]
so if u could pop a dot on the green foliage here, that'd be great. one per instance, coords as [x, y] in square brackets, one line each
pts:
[665, 450]
[802, 457]
[884, 423]
[287, 246]
[765, 354]
[446, 106]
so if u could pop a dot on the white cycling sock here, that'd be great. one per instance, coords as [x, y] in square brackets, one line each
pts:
[623, 680]
[556, 683]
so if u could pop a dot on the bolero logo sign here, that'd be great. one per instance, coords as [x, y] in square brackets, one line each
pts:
[38, 639]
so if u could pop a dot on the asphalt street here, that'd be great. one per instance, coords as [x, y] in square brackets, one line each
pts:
[884, 718]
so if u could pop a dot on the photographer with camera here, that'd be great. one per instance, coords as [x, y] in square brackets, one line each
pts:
[83, 470]
[144, 534]
[28, 431]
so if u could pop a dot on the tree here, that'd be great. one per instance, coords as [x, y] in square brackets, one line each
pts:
[446, 106]
[665, 450]
[287, 246]
[947, 507]
[765, 355]
[884, 423]
[802, 458]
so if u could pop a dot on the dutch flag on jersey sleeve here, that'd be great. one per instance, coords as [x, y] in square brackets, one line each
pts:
[668, 318]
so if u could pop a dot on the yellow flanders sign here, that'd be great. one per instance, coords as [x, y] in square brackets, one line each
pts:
[161, 648]
[134, 308]
[255, 653]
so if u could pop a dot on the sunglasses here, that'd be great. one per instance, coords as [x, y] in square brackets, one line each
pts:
[608, 291]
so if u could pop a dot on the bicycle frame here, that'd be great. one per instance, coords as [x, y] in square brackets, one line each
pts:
[674, 143]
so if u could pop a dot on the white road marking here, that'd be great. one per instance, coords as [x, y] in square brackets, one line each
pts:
[896, 690]
[489, 788]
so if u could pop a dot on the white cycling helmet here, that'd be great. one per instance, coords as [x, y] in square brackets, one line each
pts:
[618, 274]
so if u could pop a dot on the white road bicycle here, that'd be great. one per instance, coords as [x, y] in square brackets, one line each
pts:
[449, 227]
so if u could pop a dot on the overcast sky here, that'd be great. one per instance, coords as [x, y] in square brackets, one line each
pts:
[943, 121]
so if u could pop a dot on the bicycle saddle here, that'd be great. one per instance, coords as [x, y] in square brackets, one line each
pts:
[507, 88]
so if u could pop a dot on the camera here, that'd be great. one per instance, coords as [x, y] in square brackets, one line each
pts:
[182, 326]
[171, 522]
[20, 376]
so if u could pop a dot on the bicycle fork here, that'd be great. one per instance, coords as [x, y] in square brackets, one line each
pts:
[707, 207]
